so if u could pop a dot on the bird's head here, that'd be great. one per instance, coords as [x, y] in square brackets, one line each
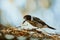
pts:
[27, 18]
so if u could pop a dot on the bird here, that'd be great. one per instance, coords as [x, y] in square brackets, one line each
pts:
[36, 22]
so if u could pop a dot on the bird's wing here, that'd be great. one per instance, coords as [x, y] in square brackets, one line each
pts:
[42, 22]
[39, 20]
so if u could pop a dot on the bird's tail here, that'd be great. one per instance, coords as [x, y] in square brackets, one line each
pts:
[51, 27]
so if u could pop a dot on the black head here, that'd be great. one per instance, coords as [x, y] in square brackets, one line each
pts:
[27, 18]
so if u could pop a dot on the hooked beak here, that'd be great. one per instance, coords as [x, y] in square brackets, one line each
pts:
[24, 21]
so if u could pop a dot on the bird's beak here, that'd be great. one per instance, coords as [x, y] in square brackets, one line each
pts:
[24, 21]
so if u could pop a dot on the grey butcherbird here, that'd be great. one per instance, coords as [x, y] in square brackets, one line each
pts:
[36, 22]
